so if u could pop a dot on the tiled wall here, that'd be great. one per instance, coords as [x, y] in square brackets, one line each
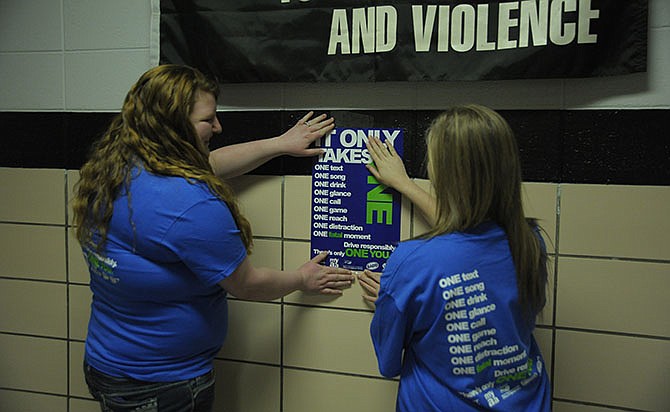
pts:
[605, 333]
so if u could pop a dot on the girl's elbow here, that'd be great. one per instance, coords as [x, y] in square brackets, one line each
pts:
[237, 289]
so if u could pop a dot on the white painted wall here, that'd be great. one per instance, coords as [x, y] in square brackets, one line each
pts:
[83, 55]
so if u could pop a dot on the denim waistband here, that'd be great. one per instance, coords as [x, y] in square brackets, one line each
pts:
[103, 377]
[128, 394]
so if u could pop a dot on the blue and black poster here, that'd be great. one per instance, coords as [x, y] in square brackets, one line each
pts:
[354, 217]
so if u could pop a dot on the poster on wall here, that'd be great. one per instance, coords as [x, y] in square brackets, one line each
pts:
[354, 217]
[372, 41]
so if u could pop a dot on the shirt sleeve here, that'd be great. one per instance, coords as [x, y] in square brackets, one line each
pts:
[388, 333]
[206, 239]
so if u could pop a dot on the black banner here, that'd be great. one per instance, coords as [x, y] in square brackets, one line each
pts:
[241, 41]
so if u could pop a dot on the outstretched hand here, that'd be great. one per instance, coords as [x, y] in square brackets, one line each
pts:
[369, 281]
[296, 140]
[326, 280]
[388, 167]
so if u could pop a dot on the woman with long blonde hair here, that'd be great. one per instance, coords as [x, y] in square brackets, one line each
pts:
[456, 306]
[165, 242]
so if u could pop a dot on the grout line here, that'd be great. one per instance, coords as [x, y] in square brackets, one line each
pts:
[18, 222]
[68, 369]
[60, 395]
[412, 209]
[600, 405]
[28, 335]
[108, 49]
[316, 306]
[555, 291]
[306, 369]
[349, 374]
[545, 327]
[616, 258]
[246, 361]
[281, 306]
[612, 333]
[57, 282]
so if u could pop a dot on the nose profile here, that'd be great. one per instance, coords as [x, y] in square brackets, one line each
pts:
[216, 127]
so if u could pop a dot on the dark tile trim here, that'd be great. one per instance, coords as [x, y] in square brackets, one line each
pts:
[561, 146]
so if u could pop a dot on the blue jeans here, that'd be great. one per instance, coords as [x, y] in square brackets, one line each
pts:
[130, 395]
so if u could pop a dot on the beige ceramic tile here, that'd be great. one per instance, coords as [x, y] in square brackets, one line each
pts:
[266, 253]
[539, 202]
[297, 253]
[405, 219]
[35, 308]
[419, 223]
[297, 207]
[77, 382]
[33, 364]
[612, 370]
[32, 195]
[546, 316]
[247, 387]
[31, 402]
[619, 221]
[254, 332]
[544, 341]
[32, 252]
[260, 202]
[79, 310]
[405, 224]
[72, 179]
[304, 390]
[77, 268]
[82, 405]
[329, 339]
[614, 295]
[575, 407]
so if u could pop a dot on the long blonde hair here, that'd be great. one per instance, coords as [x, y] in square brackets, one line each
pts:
[152, 131]
[474, 166]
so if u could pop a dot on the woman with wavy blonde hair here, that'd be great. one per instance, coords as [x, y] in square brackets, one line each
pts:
[456, 306]
[165, 242]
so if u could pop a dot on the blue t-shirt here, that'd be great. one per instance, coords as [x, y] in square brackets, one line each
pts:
[448, 322]
[158, 313]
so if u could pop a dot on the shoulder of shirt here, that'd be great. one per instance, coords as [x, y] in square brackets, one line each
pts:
[405, 267]
[407, 253]
[411, 253]
[171, 192]
[171, 184]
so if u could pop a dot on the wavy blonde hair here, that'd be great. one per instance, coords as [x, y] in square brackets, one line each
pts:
[474, 166]
[152, 131]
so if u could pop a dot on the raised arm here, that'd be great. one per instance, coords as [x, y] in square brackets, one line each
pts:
[249, 282]
[238, 159]
[389, 170]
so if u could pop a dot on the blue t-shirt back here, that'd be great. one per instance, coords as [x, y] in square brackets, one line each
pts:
[448, 321]
[158, 313]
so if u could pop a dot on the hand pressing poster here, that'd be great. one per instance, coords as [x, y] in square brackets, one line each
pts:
[354, 217]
